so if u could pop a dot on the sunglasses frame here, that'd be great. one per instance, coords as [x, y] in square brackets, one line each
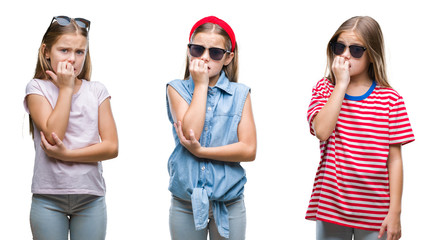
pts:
[350, 49]
[204, 49]
[81, 22]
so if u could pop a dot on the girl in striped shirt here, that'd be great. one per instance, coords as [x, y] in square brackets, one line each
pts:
[361, 123]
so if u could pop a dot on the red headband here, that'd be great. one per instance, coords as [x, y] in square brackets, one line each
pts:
[219, 22]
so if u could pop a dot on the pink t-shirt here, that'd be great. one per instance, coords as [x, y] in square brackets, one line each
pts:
[53, 176]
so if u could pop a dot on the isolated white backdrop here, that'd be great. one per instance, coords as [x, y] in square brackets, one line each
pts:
[138, 46]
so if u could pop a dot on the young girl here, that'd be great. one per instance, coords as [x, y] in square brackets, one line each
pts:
[361, 123]
[74, 130]
[214, 131]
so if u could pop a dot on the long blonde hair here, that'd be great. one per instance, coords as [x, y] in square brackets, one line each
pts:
[53, 33]
[230, 70]
[369, 31]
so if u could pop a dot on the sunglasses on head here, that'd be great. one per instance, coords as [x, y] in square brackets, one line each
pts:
[355, 50]
[214, 53]
[64, 21]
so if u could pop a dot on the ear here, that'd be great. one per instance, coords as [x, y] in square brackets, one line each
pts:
[45, 51]
[229, 58]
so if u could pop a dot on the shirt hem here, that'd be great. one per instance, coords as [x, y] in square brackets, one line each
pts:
[68, 191]
[341, 224]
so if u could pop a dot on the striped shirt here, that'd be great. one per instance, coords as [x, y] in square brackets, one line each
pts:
[351, 187]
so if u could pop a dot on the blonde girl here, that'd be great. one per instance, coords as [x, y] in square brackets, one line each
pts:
[74, 130]
[214, 131]
[361, 123]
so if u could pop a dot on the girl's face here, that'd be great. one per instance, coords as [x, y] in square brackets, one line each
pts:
[69, 48]
[211, 40]
[357, 66]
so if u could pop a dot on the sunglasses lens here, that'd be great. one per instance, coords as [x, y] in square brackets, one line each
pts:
[62, 20]
[356, 51]
[216, 53]
[196, 50]
[83, 23]
[338, 48]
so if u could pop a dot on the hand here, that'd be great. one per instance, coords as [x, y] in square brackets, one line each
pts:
[191, 144]
[392, 223]
[199, 71]
[340, 67]
[65, 75]
[58, 151]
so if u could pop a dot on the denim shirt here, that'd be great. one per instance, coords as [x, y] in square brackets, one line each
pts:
[204, 180]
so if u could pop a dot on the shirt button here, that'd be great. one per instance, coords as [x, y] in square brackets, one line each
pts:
[205, 129]
[203, 168]
[209, 109]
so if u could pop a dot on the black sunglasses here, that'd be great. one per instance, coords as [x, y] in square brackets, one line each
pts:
[214, 53]
[355, 50]
[64, 21]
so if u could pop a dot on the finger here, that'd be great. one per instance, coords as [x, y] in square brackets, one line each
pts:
[192, 136]
[69, 67]
[51, 74]
[44, 143]
[382, 230]
[180, 132]
[56, 139]
[60, 67]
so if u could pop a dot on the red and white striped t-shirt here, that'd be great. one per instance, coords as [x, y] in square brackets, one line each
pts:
[351, 187]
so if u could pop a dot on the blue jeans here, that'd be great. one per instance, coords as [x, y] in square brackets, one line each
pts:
[331, 231]
[52, 216]
[182, 227]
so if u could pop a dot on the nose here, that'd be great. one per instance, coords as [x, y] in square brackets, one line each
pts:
[71, 58]
[346, 53]
[205, 57]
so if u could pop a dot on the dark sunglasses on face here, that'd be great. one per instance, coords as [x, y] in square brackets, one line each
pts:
[355, 50]
[214, 53]
[64, 21]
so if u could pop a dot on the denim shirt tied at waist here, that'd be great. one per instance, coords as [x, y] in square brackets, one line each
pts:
[203, 180]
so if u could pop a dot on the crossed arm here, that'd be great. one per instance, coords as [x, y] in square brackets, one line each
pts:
[52, 129]
[189, 122]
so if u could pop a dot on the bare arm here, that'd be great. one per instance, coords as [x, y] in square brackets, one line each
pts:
[324, 122]
[392, 222]
[242, 151]
[55, 120]
[192, 116]
[106, 149]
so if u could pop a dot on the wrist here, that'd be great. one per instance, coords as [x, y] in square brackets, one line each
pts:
[201, 84]
[395, 211]
[342, 84]
[66, 155]
[66, 90]
[201, 152]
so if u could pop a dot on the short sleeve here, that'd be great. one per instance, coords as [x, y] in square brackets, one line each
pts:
[400, 130]
[32, 88]
[320, 95]
[100, 91]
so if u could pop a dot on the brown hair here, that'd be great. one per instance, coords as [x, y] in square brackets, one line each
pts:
[369, 31]
[53, 33]
[231, 70]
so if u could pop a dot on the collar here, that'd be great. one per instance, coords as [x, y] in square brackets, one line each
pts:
[364, 96]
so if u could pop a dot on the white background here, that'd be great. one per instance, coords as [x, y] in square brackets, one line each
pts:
[137, 47]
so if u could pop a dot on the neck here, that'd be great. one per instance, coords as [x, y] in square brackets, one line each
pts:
[213, 81]
[363, 79]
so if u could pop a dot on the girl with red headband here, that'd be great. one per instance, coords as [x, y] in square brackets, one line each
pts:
[361, 123]
[214, 131]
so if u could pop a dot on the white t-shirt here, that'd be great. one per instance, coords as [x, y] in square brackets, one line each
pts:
[53, 176]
